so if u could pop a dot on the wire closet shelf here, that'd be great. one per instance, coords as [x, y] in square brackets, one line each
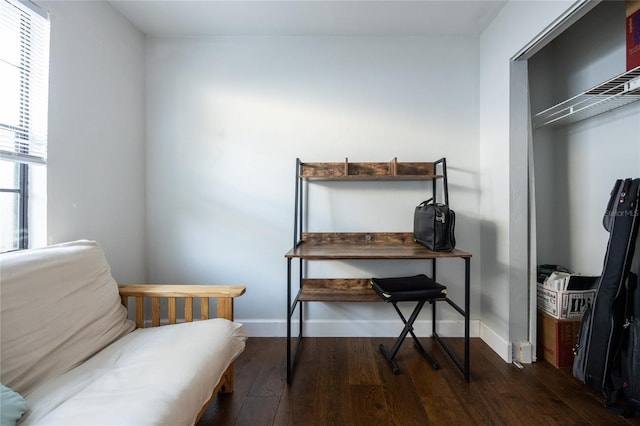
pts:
[619, 91]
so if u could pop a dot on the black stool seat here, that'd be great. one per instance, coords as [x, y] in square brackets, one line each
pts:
[417, 288]
[413, 288]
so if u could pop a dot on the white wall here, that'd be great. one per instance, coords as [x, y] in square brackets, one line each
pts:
[581, 162]
[96, 166]
[227, 118]
[503, 208]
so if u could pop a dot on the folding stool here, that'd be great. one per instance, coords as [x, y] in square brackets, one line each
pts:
[418, 288]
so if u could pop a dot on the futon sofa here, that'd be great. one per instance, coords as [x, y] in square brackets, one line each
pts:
[69, 351]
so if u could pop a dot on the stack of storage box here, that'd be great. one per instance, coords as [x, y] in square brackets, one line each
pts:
[562, 301]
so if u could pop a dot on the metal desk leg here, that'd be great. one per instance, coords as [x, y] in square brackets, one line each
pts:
[289, 320]
[291, 307]
[463, 365]
[433, 305]
[467, 303]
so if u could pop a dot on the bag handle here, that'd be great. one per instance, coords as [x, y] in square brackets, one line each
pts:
[445, 181]
[424, 203]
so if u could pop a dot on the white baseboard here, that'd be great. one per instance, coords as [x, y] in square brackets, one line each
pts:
[496, 342]
[332, 328]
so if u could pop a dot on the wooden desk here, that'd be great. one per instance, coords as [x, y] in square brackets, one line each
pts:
[352, 246]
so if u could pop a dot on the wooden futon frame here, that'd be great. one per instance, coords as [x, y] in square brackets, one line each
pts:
[184, 294]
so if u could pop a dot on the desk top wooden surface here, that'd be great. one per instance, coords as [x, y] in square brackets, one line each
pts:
[365, 245]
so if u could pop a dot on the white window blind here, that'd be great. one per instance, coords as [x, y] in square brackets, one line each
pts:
[24, 81]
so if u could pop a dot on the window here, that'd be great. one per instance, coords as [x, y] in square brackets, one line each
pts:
[24, 81]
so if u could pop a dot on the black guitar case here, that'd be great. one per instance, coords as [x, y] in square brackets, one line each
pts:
[630, 357]
[600, 341]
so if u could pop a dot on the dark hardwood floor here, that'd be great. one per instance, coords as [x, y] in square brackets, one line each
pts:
[346, 381]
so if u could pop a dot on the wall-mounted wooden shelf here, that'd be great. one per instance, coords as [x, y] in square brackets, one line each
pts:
[619, 91]
[337, 290]
[392, 170]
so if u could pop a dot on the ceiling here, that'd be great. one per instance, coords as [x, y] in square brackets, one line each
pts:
[309, 17]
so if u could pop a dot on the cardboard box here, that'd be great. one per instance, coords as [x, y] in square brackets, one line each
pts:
[633, 34]
[556, 339]
[564, 304]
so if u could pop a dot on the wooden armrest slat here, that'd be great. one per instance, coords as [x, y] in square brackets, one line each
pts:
[188, 309]
[177, 290]
[140, 312]
[155, 311]
[204, 308]
[172, 310]
[225, 308]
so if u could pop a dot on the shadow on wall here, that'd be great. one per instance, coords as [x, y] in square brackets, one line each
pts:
[494, 297]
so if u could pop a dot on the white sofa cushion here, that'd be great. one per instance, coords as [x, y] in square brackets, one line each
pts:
[163, 375]
[59, 306]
